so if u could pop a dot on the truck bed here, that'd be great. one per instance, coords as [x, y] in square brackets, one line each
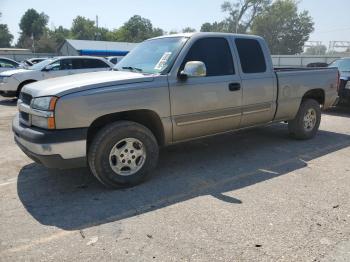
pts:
[294, 83]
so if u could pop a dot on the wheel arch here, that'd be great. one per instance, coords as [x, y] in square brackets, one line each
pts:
[23, 83]
[317, 94]
[145, 117]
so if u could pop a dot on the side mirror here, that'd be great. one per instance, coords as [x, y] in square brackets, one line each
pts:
[47, 68]
[193, 69]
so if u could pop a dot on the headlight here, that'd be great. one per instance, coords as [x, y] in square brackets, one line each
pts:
[46, 103]
[43, 112]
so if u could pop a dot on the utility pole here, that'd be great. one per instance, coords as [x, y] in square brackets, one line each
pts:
[33, 44]
[97, 35]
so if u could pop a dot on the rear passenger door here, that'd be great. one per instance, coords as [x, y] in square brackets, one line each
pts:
[258, 82]
[210, 104]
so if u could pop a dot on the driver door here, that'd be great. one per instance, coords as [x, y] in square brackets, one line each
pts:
[58, 68]
[210, 104]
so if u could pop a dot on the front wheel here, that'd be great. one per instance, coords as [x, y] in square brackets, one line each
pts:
[122, 154]
[307, 122]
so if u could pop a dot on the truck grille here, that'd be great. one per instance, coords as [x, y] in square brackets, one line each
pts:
[26, 98]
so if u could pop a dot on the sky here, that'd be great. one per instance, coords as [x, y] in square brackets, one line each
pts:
[331, 17]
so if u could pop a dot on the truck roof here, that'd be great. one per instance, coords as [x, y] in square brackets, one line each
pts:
[204, 34]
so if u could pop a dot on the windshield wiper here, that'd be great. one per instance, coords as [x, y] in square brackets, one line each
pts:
[132, 68]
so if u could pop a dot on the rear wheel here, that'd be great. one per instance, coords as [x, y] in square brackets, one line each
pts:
[122, 154]
[307, 121]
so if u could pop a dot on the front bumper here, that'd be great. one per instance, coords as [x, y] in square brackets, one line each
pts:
[8, 89]
[52, 148]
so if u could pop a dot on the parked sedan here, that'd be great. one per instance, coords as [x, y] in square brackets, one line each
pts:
[11, 82]
[7, 64]
[32, 61]
[343, 66]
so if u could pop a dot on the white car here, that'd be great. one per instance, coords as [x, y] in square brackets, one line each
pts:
[7, 64]
[11, 82]
[32, 61]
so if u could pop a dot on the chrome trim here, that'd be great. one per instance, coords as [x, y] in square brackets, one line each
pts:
[206, 119]
[67, 150]
[256, 111]
[253, 109]
[207, 116]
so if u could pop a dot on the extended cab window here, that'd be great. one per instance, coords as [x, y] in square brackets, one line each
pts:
[215, 53]
[251, 56]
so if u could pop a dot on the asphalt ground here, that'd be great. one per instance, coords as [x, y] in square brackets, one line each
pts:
[255, 195]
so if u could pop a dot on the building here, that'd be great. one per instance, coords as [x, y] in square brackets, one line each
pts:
[72, 47]
[17, 54]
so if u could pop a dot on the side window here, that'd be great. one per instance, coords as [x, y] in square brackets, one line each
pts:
[66, 64]
[78, 63]
[114, 60]
[7, 63]
[94, 63]
[215, 53]
[251, 56]
[55, 66]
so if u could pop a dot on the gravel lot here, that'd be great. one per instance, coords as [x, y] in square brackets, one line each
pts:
[249, 196]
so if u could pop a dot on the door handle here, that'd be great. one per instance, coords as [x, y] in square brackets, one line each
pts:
[234, 87]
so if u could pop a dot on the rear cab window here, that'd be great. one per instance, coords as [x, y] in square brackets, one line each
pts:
[215, 53]
[251, 56]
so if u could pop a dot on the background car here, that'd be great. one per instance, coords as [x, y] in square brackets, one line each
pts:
[114, 59]
[32, 61]
[11, 82]
[343, 66]
[7, 64]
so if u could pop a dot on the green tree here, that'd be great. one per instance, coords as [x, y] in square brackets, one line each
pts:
[214, 27]
[173, 32]
[5, 36]
[83, 29]
[316, 50]
[137, 29]
[59, 34]
[103, 34]
[284, 29]
[46, 43]
[241, 14]
[188, 30]
[33, 24]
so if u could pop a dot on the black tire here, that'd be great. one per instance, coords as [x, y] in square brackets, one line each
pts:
[102, 144]
[296, 126]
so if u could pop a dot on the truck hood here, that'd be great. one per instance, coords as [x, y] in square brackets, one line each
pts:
[13, 72]
[61, 86]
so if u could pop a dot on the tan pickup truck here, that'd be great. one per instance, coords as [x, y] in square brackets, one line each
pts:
[167, 90]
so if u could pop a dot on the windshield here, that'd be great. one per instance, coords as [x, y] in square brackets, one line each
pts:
[41, 65]
[342, 64]
[153, 56]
